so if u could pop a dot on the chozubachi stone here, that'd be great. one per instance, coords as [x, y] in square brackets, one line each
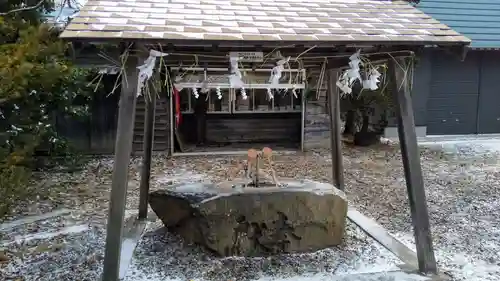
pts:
[303, 216]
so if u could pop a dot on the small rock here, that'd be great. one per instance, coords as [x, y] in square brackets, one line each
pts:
[3, 257]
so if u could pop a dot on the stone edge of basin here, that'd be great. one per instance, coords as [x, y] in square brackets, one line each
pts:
[319, 188]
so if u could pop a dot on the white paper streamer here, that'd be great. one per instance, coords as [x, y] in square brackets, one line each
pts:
[235, 76]
[146, 69]
[349, 76]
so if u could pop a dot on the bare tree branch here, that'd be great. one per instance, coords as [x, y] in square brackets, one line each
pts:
[38, 5]
[61, 9]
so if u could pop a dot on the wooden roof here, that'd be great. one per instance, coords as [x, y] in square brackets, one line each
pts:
[346, 21]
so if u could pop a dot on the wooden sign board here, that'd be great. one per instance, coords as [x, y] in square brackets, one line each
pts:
[248, 56]
[248, 78]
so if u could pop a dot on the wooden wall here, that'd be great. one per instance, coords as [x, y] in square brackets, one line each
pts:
[317, 120]
[257, 128]
[96, 133]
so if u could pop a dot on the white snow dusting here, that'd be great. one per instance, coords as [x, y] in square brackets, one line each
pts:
[464, 215]
[48, 235]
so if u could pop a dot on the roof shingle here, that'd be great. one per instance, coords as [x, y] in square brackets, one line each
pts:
[260, 20]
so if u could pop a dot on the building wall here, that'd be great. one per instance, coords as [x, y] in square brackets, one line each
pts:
[316, 125]
[453, 99]
[95, 134]
[488, 119]
[419, 94]
[444, 88]
[259, 128]
[461, 96]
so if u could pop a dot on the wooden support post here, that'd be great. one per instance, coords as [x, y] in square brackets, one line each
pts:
[411, 163]
[335, 130]
[149, 124]
[123, 149]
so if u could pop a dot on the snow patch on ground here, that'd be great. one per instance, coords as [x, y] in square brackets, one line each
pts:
[462, 188]
[180, 176]
[48, 235]
[471, 215]
[378, 276]
[162, 256]
[460, 265]
[477, 145]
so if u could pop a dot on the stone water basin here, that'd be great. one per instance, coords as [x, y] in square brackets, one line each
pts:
[231, 219]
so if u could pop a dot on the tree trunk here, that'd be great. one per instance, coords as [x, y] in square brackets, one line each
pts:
[366, 123]
[350, 123]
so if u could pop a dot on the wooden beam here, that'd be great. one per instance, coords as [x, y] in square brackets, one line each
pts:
[89, 54]
[34, 218]
[411, 163]
[382, 55]
[382, 236]
[123, 148]
[134, 230]
[148, 142]
[459, 51]
[335, 133]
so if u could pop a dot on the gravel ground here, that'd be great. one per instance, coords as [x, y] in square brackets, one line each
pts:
[463, 194]
[184, 262]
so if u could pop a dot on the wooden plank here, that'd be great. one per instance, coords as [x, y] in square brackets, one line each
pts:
[32, 219]
[247, 130]
[129, 242]
[245, 127]
[382, 236]
[399, 275]
[149, 125]
[411, 163]
[179, 140]
[123, 148]
[335, 130]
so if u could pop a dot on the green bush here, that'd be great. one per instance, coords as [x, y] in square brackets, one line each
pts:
[14, 187]
[38, 83]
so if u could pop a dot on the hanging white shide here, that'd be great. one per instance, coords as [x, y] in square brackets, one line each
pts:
[146, 69]
[243, 94]
[235, 76]
[373, 79]
[358, 69]
[274, 78]
[294, 91]
[270, 93]
[219, 93]
[195, 93]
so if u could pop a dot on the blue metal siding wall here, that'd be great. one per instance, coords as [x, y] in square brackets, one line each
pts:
[464, 96]
[453, 101]
[477, 19]
[489, 96]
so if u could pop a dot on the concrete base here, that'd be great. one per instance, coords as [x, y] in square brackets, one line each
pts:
[392, 132]
[133, 231]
